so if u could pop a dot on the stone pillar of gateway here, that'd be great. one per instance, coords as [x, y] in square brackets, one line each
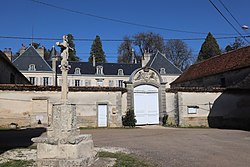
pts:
[146, 95]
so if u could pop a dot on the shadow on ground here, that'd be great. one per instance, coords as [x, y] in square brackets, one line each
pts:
[18, 138]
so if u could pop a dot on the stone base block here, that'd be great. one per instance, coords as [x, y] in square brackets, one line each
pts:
[71, 151]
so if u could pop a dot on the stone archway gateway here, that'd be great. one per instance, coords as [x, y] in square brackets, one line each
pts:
[146, 95]
[146, 104]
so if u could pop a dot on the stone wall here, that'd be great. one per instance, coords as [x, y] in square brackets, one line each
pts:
[171, 109]
[27, 107]
[194, 107]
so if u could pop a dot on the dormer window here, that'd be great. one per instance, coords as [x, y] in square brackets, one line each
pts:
[32, 67]
[162, 71]
[99, 70]
[77, 71]
[120, 72]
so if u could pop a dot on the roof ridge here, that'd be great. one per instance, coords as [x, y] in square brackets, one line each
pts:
[35, 54]
[222, 54]
[228, 61]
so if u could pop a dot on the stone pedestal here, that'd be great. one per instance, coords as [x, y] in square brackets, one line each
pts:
[64, 146]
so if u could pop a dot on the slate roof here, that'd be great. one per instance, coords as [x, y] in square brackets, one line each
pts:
[31, 56]
[229, 61]
[159, 61]
[108, 68]
[52, 53]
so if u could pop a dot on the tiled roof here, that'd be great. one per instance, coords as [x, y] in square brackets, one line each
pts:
[159, 61]
[31, 56]
[233, 60]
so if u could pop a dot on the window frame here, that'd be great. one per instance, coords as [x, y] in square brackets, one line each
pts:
[120, 72]
[32, 80]
[87, 82]
[32, 67]
[99, 70]
[111, 83]
[45, 81]
[162, 71]
[77, 71]
[120, 83]
[77, 82]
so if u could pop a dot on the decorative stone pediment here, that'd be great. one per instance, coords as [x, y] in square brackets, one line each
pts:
[146, 75]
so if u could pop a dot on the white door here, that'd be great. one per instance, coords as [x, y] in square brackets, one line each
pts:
[146, 105]
[102, 115]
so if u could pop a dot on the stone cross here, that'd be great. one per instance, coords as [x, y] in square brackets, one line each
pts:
[64, 67]
[64, 146]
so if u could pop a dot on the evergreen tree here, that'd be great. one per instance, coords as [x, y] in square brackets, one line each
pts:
[129, 119]
[72, 53]
[209, 48]
[97, 51]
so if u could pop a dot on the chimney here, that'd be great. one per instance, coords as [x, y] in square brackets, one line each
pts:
[22, 49]
[93, 61]
[145, 58]
[8, 53]
[41, 51]
[133, 56]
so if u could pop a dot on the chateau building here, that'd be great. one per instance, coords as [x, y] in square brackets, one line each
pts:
[144, 83]
[212, 93]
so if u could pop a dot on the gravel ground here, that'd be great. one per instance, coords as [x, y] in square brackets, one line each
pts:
[161, 146]
[180, 146]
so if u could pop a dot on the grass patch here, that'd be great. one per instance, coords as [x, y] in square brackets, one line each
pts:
[125, 160]
[17, 163]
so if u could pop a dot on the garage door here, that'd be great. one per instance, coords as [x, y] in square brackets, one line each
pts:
[146, 105]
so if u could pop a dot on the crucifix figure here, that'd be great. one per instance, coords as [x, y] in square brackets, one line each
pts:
[64, 66]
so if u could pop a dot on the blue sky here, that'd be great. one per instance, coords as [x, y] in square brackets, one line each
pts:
[19, 16]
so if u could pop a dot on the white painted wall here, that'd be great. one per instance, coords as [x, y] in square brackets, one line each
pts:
[203, 100]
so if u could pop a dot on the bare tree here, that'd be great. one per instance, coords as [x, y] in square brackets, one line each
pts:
[149, 41]
[125, 50]
[178, 53]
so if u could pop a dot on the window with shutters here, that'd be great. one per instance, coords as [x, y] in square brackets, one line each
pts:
[120, 83]
[77, 82]
[45, 81]
[32, 80]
